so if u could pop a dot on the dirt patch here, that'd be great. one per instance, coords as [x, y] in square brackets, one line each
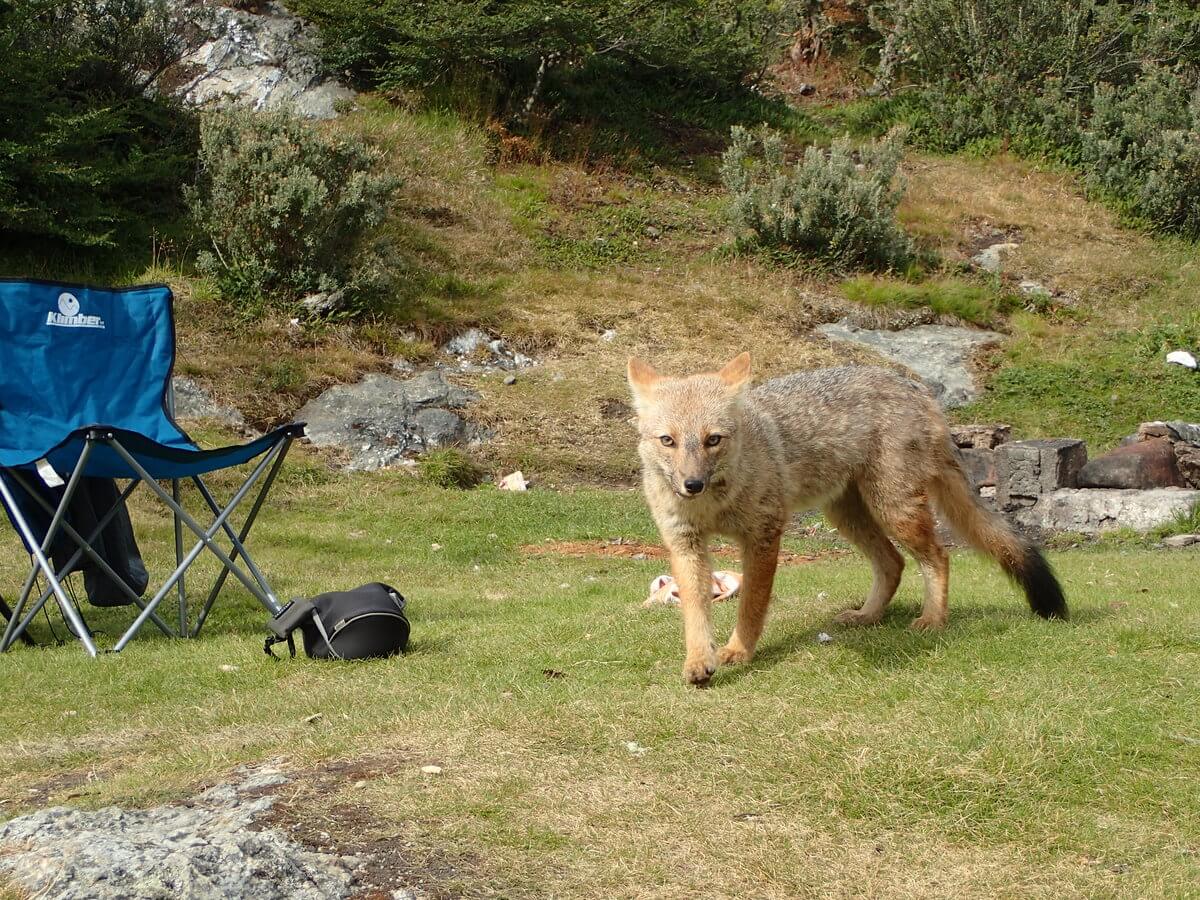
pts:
[622, 548]
[313, 811]
[612, 408]
[40, 793]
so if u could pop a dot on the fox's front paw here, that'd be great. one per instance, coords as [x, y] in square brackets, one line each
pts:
[699, 668]
[855, 617]
[733, 654]
[928, 623]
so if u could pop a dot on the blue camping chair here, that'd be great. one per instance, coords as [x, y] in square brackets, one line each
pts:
[85, 392]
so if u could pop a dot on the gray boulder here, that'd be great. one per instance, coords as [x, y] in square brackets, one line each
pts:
[264, 60]
[381, 419]
[938, 354]
[1144, 465]
[1095, 510]
[193, 402]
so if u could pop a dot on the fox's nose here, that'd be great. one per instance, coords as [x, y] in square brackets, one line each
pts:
[693, 485]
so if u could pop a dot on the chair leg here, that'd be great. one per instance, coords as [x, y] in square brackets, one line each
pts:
[238, 544]
[183, 610]
[7, 614]
[205, 536]
[85, 548]
[68, 608]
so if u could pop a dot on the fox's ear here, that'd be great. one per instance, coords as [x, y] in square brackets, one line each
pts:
[642, 377]
[736, 372]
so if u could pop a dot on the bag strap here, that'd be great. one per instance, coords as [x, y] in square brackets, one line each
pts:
[269, 642]
[291, 640]
[325, 637]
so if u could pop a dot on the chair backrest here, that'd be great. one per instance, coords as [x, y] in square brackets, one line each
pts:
[73, 357]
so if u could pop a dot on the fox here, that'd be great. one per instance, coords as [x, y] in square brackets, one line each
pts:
[866, 445]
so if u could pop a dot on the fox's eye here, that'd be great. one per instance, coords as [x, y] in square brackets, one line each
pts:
[712, 440]
[667, 440]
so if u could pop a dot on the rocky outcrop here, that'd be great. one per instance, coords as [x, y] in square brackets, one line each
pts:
[204, 849]
[264, 59]
[382, 419]
[938, 354]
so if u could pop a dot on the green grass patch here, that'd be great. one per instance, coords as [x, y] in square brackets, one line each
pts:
[973, 301]
[1097, 388]
[450, 468]
[1005, 756]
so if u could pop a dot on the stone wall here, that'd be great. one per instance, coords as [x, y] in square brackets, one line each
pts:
[1047, 486]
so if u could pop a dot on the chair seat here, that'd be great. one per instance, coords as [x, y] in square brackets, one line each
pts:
[162, 461]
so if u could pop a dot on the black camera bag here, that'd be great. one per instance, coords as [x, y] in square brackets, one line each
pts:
[367, 622]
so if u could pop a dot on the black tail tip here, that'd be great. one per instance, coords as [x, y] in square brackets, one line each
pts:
[1041, 586]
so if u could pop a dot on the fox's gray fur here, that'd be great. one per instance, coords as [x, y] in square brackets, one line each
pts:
[867, 445]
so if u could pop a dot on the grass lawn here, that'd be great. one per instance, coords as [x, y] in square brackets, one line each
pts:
[1004, 757]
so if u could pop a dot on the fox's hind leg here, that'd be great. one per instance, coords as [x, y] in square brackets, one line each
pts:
[850, 515]
[912, 524]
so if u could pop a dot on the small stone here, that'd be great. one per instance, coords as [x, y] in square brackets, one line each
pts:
[608, 335]
[806, 89]
[1034, 289]
[824, 638]
[1182, 358]
[1177, 541]
[435, 547]
[431, 770]
[981, 437]
[323, 303]
[980, 466]
[228, 668]
[653, 232]
[514, 481]
[989, 258]
[510, 379]
[315, 717]
[635, 748]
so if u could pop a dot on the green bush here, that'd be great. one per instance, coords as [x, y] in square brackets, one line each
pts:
[86, 157]
[1105, 87]
[836, 207]
[1141, 146]
[624, 65]
[283, 207]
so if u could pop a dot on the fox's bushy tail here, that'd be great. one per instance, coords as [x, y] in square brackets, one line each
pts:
[984, 530]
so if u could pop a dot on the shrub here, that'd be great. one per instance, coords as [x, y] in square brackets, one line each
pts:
[86, 157]
[835, 207]
[622, 64]
[1141, 146]
[1105, 87]
[283, 206]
